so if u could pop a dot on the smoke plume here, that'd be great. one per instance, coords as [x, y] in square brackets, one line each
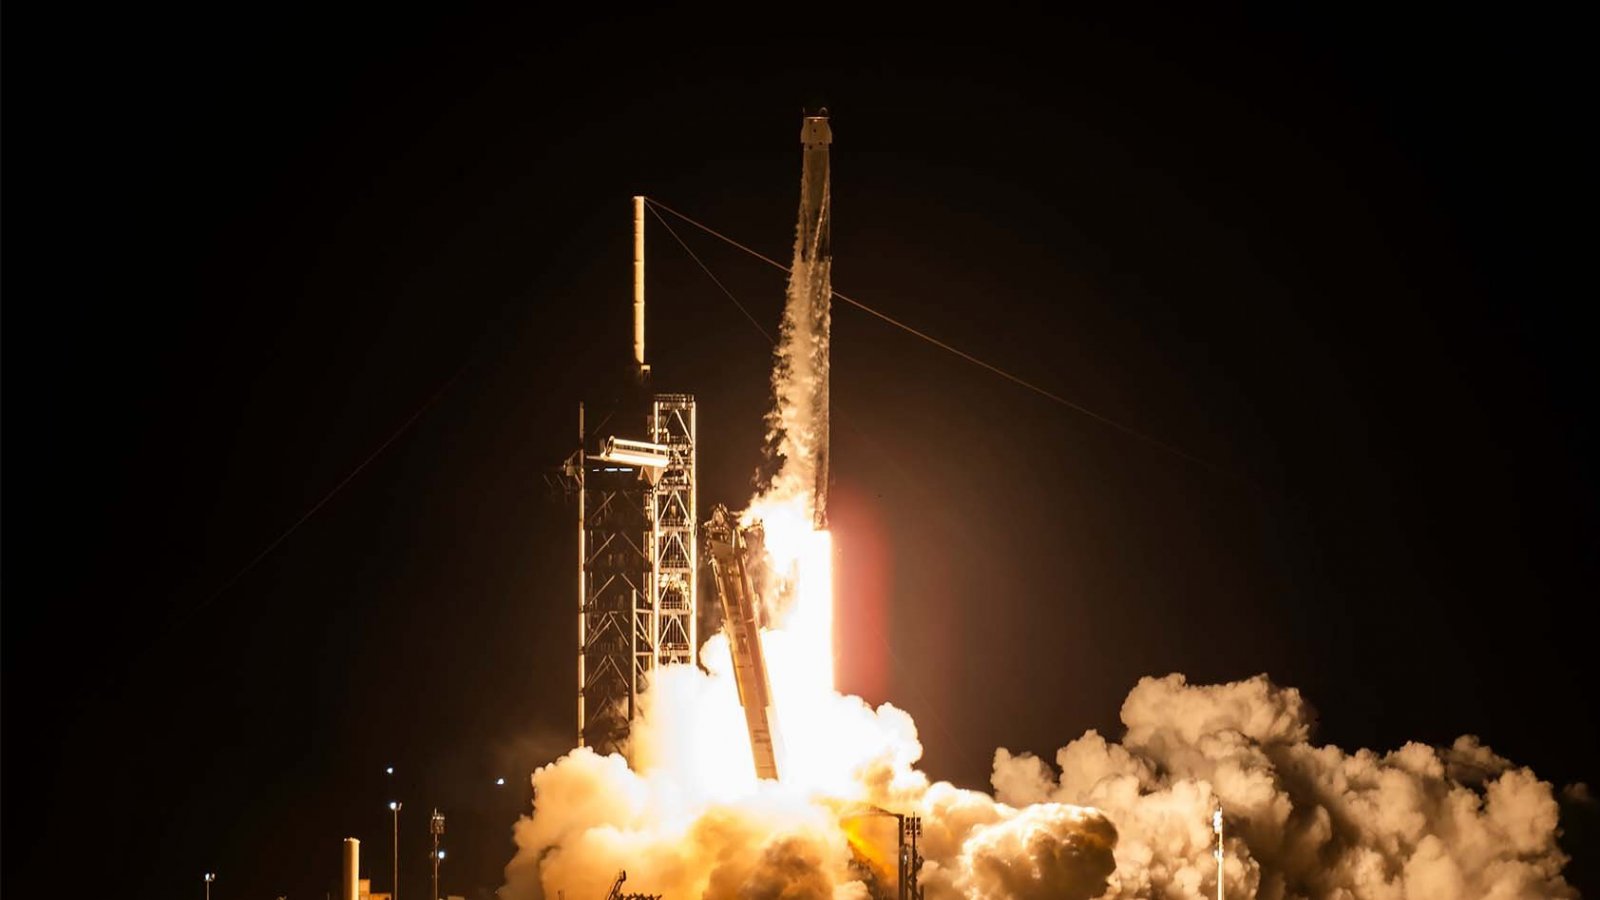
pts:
[689, 819]
[1304, 820]
[1123, 820]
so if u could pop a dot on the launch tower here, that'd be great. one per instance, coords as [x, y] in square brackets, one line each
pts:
[637, 555]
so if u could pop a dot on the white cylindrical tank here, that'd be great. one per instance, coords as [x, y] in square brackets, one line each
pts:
[352, 866]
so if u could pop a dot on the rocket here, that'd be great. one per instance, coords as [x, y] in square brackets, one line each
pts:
[812, 280]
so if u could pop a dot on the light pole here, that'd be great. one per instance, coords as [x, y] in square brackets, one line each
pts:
[394, 807]
[1216, 825]
[436, 827]
[210, 877]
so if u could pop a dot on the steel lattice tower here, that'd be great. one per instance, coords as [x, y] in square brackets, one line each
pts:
[637, 555]
[674, 575]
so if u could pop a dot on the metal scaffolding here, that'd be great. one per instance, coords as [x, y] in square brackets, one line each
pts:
[674, 575]
[637, 554]
[613, 569]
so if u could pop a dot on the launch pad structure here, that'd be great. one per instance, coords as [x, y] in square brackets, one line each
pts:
[730, 547]
[638, 563]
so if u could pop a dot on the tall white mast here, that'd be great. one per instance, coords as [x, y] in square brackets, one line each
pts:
[638, 288]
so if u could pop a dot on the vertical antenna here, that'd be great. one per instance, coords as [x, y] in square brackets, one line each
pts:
[436, 828]
[640, 368]
[1216, 825]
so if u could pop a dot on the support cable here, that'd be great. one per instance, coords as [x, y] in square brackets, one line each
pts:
[709, 274]
[654, 205]
[1105, 420]
[266, 551]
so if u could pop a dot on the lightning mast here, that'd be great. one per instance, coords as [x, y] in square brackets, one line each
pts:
[637, 554]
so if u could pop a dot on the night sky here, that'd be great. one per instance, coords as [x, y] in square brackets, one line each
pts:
[1336, 257]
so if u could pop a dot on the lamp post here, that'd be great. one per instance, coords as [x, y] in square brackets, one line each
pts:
[436, 828]
[394, 807]
[910, 857]
[1216, 825]
[210, 877]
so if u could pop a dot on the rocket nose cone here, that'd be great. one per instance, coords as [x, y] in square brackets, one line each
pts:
[815, 131]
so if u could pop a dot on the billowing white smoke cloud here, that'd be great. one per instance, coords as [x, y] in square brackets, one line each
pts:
[1305, 821]
[689, 819]
[1047, 851]
[1128, 820]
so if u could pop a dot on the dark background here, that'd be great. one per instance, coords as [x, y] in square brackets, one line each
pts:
[1335, 255]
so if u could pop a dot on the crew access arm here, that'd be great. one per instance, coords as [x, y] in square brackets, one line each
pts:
[729, 547]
